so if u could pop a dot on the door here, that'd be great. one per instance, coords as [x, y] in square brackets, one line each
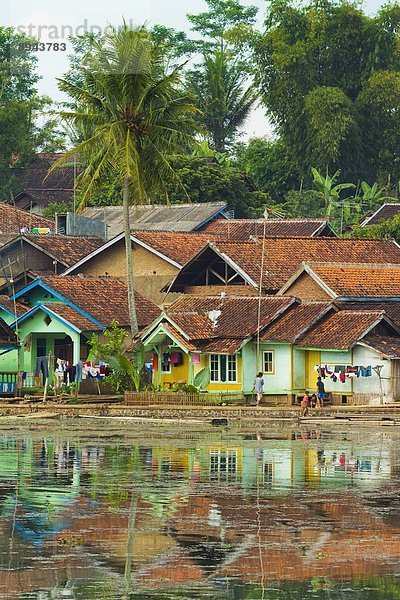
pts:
[313, 358]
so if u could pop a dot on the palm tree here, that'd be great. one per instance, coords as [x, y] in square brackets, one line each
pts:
[137, 117]
[328, 189]
[223, 98]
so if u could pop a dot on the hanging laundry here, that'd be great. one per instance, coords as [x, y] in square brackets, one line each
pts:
[176, 358]
[334, 378]
[328, 371]
[339, 368]
[342, 377]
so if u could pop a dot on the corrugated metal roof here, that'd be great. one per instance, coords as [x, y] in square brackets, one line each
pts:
[174, 217]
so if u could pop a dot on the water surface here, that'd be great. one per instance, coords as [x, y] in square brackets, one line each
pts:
[99, 509]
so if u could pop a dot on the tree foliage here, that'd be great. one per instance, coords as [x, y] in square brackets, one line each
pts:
[224, 97]
[20, 108]
[137, 117]
[328, 75]
[206, 180]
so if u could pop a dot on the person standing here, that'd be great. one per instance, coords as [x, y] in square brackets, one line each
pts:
[258, 387]
[321, 393]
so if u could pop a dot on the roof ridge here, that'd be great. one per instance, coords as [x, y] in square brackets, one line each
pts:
[351, 264]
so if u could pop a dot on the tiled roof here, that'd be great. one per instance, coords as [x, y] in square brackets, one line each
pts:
[13, 219]
[387, 345]
[66, 249]
[43, 197]
[241, 230]
[7, 336]
[157, 217]
[44, 188]
[238, 319]
[340, 330]
[219, 346]
[295, 321]
[104, 298]
[180, 247]
[283, 256]
[71, 315]
[360, 280]
[388, 210]
[8, 304]
[391, 308]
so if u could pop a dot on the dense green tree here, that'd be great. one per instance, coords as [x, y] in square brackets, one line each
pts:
[270, 167]
[328, 74]
[24, 128]
[226, 24]
[137, 117]
[207, 180]
[386, 229]
[223, 96]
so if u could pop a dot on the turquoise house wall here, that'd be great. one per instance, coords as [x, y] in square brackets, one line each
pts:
[278, 382]
[38, 328]
[299, 370]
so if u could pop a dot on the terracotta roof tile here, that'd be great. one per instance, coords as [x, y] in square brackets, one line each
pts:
[104, 298]
[387, 345]
[13, 219]
[391, 308]
[340, 330]
[283, 256]
[295, 321]
[71, 315]
[180, 247]
[360, 280]
[8, 337]
[387, 211]
[238, 319]
[8, 304]
[66, 249]
[241, 230]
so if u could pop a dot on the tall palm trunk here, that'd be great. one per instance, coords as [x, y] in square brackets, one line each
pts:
[128, 252]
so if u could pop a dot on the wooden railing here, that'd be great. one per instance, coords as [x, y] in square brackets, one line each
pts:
[183, 399]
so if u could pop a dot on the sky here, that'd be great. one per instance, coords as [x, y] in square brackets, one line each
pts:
[52, 21]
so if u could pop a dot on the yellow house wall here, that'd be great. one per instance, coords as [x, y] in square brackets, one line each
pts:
[178, 373]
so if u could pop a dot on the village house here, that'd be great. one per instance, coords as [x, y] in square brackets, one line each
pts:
[356, 352]
[34, 188]
[56, 316]
[157, 258]
[27, 255]
[268, 264]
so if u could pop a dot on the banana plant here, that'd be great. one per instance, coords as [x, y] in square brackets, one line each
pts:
[328, 189]
[372, 195]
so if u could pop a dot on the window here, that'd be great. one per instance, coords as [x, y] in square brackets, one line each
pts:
[223, 465]
[41, 347]
[223, 368]
[269, 363]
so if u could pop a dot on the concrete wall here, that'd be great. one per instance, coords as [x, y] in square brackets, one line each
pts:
[307, 289]
[150, 271]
